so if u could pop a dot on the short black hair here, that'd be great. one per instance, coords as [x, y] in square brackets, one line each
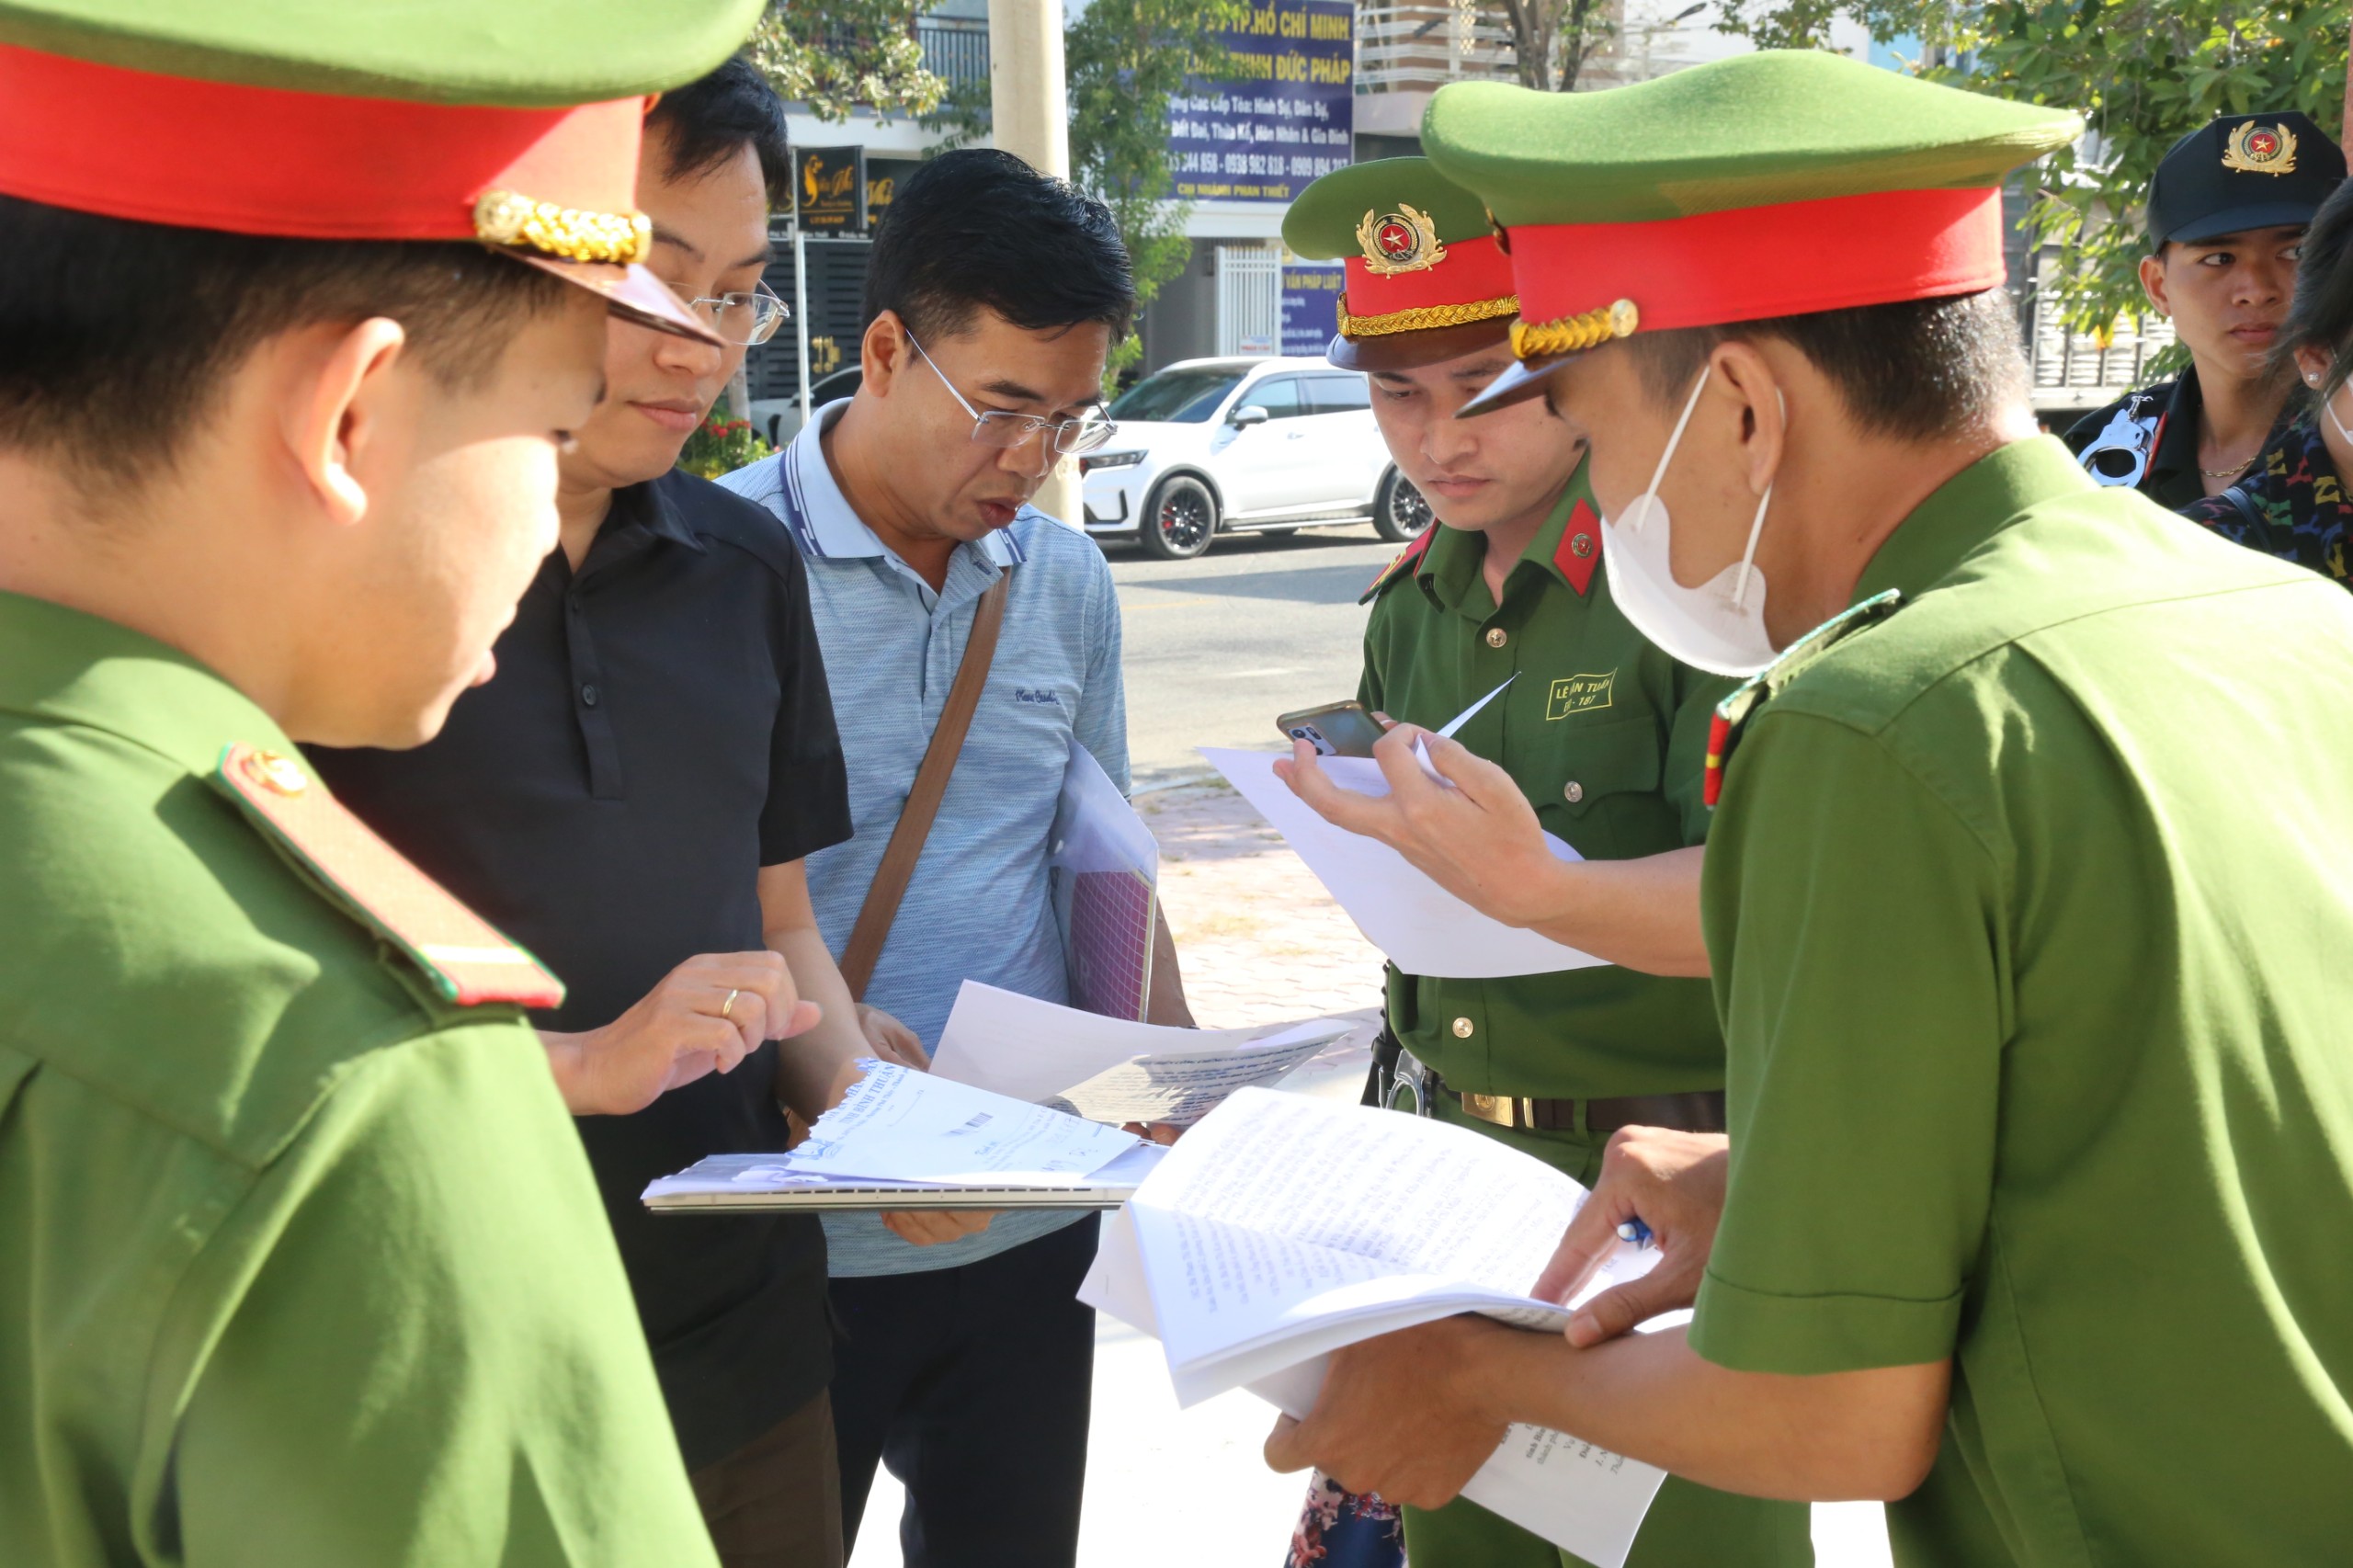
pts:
[979, 229]
[703, 123]
[117, 337]
[2321, 315]
[1917, 369]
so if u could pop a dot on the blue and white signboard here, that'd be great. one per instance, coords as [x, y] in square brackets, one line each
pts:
[1311, 305]
[1284, 117]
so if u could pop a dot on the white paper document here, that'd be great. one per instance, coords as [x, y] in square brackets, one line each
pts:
[1421, 928]
[897, 1127]
[1282, 1228]
[903, 1125]
[1112, 1070]
[754, 1184]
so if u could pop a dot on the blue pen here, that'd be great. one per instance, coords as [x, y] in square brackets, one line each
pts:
[1634, 1231]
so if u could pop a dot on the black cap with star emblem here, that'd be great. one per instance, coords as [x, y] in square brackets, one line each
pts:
[2242, 172]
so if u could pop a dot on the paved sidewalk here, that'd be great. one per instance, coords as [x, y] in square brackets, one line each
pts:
[1259, 939]
[1260, 942]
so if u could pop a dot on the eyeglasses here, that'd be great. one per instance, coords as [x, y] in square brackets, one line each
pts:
[746, 317]
[1068, 438]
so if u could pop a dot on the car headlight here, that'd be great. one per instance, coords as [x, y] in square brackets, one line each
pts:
[1094, 461]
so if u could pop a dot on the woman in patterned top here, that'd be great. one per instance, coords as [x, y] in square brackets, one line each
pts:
[2295, 501]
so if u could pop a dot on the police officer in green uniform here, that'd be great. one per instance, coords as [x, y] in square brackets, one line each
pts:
[2042, 1120]
[300, 1260]
[2228, 207]
[1602, 733]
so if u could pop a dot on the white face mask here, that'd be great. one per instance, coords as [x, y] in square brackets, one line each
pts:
[1718, 625]
[2330, 403]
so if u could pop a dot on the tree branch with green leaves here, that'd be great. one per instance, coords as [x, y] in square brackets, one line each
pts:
[837, 55]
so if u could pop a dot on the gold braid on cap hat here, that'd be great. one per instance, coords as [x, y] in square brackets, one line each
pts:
[1574, 335]
[568, 233]
[1421, 318]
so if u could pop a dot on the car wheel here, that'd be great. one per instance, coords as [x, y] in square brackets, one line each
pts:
[1399, 513]
[1180, 518]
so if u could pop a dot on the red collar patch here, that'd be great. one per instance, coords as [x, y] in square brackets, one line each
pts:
[1580, 548]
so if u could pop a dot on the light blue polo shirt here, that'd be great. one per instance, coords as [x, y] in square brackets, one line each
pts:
[977, 907]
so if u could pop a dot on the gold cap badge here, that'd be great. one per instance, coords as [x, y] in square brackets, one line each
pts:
[1402, 241]
[568, 233]
[2260, 150]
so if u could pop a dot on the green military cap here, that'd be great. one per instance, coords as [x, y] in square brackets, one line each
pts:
[1773, 184]
[1426, 279]
[512, 123]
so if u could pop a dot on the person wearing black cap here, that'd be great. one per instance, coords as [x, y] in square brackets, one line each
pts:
[2292, 502]
[2227, 212]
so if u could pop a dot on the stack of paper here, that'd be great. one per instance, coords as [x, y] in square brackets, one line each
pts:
[1282, 1228]
[905, 1139]
[1109, 1069]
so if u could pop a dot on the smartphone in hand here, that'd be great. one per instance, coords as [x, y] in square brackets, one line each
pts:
[1337, 729]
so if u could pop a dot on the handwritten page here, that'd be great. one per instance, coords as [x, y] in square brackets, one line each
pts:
[897, 1124]
[1423, 929]
[1114, 1069]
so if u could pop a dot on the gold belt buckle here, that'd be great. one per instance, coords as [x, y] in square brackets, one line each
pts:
[1498, 1111]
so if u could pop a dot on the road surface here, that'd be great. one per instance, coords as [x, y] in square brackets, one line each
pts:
[1218, 645]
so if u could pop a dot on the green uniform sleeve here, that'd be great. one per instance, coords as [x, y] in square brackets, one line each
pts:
[435, 1359]
[1855, 922]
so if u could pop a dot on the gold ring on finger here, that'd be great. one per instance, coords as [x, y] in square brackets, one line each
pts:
[728, 1006]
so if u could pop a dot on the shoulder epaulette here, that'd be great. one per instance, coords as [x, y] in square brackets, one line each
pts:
[1735, 711]
[1402, 565]
[466, 958]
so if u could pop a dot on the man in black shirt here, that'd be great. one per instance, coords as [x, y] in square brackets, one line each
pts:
[631, 799]
[2227, 211]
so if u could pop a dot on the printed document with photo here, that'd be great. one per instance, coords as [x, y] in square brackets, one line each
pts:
[1112, 1070]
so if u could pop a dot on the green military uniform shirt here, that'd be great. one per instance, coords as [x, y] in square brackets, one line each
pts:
[2031, 908]
[1606, 734]
[298, 1264]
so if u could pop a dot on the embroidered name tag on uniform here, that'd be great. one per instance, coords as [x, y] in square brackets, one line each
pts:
[464, 956]
[1579, 694]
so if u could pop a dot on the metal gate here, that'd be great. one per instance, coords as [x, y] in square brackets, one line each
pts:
[1250, 298]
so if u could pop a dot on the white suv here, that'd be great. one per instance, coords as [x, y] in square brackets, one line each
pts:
[1233, 445]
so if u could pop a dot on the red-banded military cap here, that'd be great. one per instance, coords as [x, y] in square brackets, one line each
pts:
[513, 123]
[1426, 279]
[1780, 182]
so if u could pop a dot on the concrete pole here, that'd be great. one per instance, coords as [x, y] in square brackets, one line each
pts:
[801, 313]
[1029, 112]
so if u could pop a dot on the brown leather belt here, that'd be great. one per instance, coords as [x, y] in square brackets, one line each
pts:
[1698, 1112]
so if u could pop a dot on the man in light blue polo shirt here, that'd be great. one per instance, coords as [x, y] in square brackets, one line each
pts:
[993, 296]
